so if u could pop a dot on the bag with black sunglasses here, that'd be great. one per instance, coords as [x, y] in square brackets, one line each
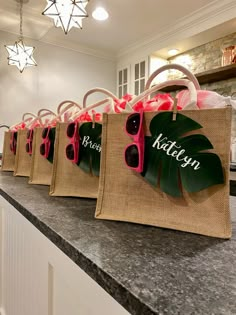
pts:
[10, 157]
[76, 163]
[167, 168]
[43, 144]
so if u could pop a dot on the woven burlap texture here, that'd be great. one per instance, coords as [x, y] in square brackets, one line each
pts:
[8, 158]
[125, 196]
[68, 179]
[41, 168]
[23, 159]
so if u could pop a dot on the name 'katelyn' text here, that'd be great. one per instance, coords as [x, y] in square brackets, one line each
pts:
[86, 142]
[174, 150]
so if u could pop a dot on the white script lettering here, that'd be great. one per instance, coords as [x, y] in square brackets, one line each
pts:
[171, 148]
[87, 142]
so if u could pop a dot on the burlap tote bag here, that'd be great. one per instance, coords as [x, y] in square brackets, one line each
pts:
[173, 191]
[10, 143]
[23, 159]
[8, 156]
[71, 179]
[41, 167]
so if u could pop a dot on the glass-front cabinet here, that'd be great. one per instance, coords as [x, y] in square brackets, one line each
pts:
[132, 77]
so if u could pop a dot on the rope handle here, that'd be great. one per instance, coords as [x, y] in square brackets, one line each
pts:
[101, 90]
[62, 109]
[182, 82]
[44, 112]
[25, 121]
[87, 109]
[31, 115]
[184, 70]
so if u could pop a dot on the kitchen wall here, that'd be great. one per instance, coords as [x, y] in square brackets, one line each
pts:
[207, 57]
[61, 74]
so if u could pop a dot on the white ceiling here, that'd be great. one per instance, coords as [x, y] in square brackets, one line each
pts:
[132, 23]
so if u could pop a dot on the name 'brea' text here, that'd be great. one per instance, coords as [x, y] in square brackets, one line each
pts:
[175, 151]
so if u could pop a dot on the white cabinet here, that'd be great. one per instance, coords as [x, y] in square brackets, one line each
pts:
[140, 74]
[39, 279]
[132, 77]
[123, 81]
[23, 266]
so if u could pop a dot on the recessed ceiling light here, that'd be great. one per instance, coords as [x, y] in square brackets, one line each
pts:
[173, 52]
[100, 14]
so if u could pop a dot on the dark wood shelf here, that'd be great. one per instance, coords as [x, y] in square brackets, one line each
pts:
[210, 76]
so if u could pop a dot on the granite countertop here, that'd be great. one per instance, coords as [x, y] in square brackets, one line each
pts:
[148, 270]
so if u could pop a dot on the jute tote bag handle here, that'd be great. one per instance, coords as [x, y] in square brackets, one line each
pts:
[31, 116]
[61, 109]
[172, 66]
[35, 122]
[67, 108]
[93, 106]
[182, 82]
[44, 112]
[100, 90]
[111, 95]
[25, 120]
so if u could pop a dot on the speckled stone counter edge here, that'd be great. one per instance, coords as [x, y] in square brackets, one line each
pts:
[130, 302]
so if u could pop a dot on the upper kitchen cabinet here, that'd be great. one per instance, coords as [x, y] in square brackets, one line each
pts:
[206, 61]
[198, 31]
[132, 77]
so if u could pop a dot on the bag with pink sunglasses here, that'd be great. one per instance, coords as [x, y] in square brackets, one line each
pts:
[76, 163]
[11, 142]
[43, 141]
[23, 158]
[167, 168]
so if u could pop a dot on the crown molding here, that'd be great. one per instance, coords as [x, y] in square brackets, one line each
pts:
[214, 13]
[68, 44]
[32, 14]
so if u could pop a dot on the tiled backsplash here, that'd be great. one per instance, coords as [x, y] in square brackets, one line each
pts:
[207, 57]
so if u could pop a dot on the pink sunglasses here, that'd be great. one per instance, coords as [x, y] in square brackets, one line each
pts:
[13, 141]
[134, 152]
[29, 141]
[72, 149]
[46, 143]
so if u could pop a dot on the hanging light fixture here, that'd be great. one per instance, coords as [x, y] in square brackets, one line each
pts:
[19, 54]
[66, 13]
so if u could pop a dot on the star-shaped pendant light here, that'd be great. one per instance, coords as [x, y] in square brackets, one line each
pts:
[19, 54]
[66, 13]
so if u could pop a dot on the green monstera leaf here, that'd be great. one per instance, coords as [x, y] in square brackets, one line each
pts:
[90, 147]
[174, 161]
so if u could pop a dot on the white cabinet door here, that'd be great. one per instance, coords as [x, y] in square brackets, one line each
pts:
[132, 78]
[39, 279]
[75, 293]
[24, 278]
[123, 81]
